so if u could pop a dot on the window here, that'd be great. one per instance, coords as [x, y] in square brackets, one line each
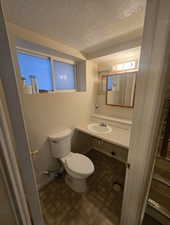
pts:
[50, 74]
[112, 82]
[38, 67]
[64, 75]
[109, 83]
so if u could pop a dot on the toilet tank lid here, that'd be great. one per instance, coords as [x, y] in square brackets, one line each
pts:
[60, 134]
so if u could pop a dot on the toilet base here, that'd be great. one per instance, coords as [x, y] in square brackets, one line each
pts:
[77, 185]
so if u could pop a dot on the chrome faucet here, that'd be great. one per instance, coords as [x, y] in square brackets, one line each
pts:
[103, 124]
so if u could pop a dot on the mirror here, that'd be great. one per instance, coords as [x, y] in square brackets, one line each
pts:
[120, 89]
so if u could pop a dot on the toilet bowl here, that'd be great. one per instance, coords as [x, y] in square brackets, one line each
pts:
[77, 166]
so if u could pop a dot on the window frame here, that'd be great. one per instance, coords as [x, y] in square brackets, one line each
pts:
[57, 59]
[51, 58]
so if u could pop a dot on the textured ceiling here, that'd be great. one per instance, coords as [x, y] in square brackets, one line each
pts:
[81, 24]
[133, 53]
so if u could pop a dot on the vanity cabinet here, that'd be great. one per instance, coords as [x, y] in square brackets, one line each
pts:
[112, 150]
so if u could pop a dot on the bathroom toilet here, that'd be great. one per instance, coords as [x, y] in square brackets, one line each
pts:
[78, 166]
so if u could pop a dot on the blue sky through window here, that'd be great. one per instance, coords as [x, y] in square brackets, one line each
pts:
[38, 67]
[109, 83]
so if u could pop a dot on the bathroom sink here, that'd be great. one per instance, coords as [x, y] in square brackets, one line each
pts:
[99, 128]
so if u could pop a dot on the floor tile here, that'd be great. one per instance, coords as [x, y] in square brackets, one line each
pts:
[88, 210]
[73, 218]
[102, 219]
[100, 205]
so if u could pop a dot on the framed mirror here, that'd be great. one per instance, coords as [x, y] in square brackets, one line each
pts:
[120, 89]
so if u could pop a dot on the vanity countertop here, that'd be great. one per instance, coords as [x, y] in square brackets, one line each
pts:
[118, 136]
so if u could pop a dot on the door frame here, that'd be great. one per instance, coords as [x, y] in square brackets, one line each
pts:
[150, 91]
[152, 79]
[11, 174]
[13, 99]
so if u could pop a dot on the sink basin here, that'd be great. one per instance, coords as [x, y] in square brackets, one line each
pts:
[98, 128]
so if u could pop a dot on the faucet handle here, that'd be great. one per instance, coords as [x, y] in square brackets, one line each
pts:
[103, 124]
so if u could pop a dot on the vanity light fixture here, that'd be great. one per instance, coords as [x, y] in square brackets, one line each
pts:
[125, 66]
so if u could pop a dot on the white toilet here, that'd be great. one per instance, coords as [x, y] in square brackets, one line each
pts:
[78, 166]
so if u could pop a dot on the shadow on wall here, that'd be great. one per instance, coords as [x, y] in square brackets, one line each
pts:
[81, 143]
[42, 162]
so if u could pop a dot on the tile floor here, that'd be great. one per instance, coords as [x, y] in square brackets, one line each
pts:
[100, 205]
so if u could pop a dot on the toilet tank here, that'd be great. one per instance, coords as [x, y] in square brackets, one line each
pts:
[61, 143]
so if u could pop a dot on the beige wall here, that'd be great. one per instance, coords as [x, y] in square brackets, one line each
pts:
[47, 113]
[112, 111]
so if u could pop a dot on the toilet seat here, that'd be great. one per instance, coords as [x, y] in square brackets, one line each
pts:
[79, 164]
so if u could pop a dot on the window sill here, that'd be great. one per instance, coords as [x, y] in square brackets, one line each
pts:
[52, 92]
[63, 91]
